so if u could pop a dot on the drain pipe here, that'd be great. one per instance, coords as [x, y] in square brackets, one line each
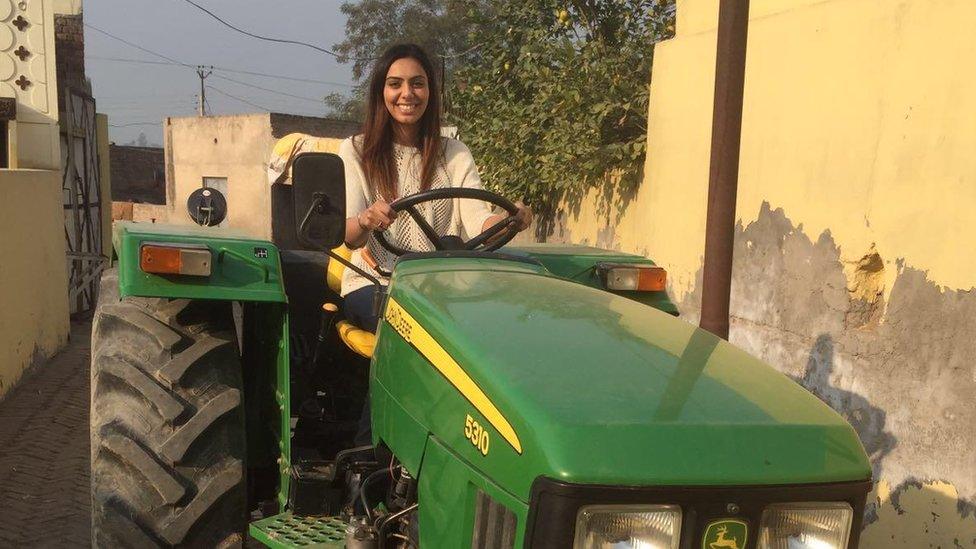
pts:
[730, 64]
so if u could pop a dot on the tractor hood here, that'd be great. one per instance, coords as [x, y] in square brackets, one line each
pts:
[601, 389]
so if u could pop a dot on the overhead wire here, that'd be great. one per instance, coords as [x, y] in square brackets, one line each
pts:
[134, 124]
[313, 46]
[225, 69]
[286, 94]
[242, 100]
[138, 47]
[270, 39]
[182, 64]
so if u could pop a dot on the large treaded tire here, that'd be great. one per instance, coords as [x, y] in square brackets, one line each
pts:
[167, 425]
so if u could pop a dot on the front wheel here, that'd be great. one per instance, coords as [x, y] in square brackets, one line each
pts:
[167, 425]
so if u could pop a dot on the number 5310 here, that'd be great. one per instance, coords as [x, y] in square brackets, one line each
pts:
[474, 432]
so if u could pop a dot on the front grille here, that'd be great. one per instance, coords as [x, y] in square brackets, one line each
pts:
[554, 506]
[494, 524]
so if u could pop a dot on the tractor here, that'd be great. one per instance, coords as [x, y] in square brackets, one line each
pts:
[537, 396]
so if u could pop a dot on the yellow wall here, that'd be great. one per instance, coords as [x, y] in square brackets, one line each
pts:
[33, 275]
[33, 269]
[854, 257]
[861, 99]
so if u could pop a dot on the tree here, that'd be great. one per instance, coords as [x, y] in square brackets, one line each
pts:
[441, 27]
[554, 102]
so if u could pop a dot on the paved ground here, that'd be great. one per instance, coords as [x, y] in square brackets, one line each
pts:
[44, 452]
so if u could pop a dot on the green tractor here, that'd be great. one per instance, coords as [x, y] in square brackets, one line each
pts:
[535, 396]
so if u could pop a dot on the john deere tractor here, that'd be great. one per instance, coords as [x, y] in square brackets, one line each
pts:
[535, 396]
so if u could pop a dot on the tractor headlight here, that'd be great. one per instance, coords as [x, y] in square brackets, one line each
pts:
[805, 526]
[628, 526]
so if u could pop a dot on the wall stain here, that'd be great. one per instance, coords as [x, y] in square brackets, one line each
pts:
[901, 372]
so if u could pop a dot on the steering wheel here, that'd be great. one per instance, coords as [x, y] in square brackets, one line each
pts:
[451, 242]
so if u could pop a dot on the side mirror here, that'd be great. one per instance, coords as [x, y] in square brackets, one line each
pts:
[207, 207]
[319, 193]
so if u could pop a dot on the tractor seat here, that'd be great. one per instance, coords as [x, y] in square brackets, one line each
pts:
[362, 342]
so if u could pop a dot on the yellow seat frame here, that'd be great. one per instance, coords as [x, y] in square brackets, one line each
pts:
[362, 342]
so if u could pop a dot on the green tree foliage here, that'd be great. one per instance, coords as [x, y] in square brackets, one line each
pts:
[555, 100]
[550, 95]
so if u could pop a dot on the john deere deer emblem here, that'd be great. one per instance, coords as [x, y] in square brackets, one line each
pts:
[725, 534]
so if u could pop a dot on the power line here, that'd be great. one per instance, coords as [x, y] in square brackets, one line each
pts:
[138, 47]
[225, 69]
[269, 39]
[180, 63]
[222, 92]
[134, 124]
[312, 99]
[313, 46]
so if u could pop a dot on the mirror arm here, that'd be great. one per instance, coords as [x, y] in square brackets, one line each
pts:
[303, 228]
[320, 198]
[378, 295]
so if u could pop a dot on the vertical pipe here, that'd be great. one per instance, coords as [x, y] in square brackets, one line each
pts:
[730, 63]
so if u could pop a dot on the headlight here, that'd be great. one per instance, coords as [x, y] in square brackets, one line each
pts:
[628, 527]
[805, 526]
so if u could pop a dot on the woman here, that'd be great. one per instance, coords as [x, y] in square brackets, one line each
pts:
[400, 153]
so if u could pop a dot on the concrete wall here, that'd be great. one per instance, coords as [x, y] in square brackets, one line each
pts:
[33, 270]
[30, 76]
[235, 147]
[33, 274]
[854, 265]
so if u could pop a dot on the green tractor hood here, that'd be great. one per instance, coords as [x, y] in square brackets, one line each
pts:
[600, 389]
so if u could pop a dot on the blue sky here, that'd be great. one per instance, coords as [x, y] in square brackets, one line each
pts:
[135, 93]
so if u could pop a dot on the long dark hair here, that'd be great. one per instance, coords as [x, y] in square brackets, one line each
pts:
[376, 148]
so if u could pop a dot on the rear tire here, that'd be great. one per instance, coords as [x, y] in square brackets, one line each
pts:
[167, 425]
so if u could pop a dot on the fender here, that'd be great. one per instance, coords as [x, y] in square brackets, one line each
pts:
[243, 268]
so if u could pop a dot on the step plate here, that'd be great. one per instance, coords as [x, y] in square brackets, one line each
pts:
[286, 531]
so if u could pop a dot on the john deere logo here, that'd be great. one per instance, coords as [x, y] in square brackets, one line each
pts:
[725, 534]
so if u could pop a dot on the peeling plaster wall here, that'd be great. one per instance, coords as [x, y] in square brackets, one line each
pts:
[853, 267]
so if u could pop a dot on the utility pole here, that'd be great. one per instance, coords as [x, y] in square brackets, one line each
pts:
[723, 179]
[203, 73]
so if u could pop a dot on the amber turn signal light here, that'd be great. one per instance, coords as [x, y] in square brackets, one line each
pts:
[634, 278]
[182, 259]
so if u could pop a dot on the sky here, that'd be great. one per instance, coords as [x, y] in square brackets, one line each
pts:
[138, 96]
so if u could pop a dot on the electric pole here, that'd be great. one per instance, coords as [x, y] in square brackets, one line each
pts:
[203, 73]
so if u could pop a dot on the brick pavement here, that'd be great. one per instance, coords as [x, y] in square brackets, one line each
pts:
[44, 495]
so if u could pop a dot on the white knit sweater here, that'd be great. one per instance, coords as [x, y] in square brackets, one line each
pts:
[464, 218]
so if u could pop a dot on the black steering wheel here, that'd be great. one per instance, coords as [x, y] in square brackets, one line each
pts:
[451, 242]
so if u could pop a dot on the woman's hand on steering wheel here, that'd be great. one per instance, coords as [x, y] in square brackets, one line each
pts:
[517, 222]
[524, 216]
[495, 236]
[377, 217]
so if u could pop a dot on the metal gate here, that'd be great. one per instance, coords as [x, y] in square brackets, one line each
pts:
[82, 199]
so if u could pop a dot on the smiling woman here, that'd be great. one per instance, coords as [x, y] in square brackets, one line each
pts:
[406, 93]
[400, 153]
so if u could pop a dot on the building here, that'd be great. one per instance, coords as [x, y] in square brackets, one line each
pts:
[50, 141]
[854, 265]
[138, 174]
[230, 154]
